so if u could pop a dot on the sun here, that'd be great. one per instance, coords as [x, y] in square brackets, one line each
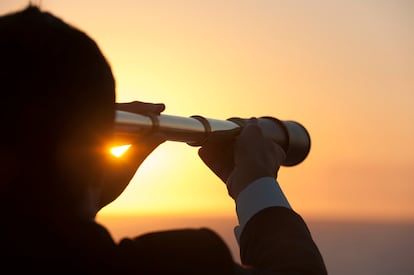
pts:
[118, 151]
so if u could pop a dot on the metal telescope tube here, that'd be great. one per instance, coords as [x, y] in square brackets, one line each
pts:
[292, 136]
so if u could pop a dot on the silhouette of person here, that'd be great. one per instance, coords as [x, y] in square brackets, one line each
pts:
[57, 117]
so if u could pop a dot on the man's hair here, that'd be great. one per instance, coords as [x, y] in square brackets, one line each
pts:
[52, 72]
[55, 85]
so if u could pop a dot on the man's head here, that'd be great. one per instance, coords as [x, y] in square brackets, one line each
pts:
[58, 95]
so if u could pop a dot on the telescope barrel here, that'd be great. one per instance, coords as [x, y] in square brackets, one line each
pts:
[194, 130]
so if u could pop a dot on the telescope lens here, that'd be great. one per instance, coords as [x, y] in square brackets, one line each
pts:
[299, 143]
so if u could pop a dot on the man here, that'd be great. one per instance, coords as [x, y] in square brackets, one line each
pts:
[57, 116]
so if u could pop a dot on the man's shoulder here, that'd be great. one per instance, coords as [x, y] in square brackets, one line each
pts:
[186, 251]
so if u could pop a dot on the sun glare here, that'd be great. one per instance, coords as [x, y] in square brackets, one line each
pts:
[119, 150]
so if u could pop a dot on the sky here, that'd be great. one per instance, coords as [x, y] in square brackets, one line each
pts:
[343, 69]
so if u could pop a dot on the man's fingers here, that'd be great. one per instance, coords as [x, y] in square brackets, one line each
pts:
[142, 108]
[220, 137]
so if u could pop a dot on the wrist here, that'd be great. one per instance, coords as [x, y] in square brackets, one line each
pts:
[243, 175]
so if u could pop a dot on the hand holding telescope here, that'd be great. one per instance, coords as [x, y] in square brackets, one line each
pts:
[194, 130]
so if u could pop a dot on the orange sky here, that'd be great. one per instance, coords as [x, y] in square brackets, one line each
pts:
[343, 69]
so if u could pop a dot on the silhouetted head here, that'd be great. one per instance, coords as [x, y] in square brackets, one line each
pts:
[57, 108]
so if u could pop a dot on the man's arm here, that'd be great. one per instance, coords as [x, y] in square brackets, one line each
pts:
[266, 222]
[273, 238]
[277, 240]
[260, 194]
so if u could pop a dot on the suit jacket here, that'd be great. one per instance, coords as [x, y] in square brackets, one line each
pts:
[277, 241]
[274, 241]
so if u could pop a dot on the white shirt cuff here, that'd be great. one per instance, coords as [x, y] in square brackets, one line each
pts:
[260, 194]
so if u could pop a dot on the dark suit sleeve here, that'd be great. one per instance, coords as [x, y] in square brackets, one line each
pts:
[277, 241]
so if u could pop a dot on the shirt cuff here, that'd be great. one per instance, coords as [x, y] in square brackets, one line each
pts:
[260, 194]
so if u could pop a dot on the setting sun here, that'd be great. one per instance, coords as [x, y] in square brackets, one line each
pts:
[118, 151]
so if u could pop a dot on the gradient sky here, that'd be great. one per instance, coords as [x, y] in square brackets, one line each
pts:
[343, 69]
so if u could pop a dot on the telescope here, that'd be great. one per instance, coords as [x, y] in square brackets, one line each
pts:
[194, 130]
